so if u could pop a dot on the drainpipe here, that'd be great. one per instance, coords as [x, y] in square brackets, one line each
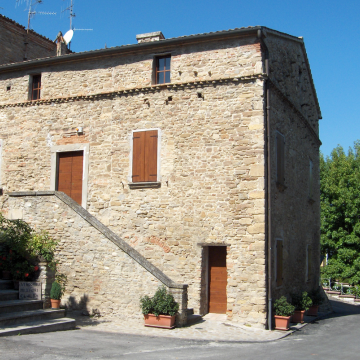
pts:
[268, 237]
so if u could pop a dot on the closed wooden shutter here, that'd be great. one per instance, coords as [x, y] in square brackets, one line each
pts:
[279, 262]
[280, 158]
[217, 279]
[70, 173]
[144, 167]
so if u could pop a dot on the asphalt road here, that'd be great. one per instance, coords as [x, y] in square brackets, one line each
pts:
[334, 337]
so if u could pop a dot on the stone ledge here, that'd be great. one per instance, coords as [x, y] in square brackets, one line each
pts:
[145, 185]
[30, 193]
[145, 89]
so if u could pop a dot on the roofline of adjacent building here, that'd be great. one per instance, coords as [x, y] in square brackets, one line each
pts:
[32, 32]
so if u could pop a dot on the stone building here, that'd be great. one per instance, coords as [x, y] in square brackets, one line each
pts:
[17, 44]
[191, 162]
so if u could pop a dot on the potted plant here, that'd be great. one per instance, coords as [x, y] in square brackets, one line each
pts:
[57, 290]
[283, 311]
[302, 302]
[159, 311]
[317, 300]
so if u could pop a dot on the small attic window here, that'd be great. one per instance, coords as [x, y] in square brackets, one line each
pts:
[8, 88]
[35, 87]
[162, 71]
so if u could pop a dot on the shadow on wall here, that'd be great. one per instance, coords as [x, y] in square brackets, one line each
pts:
[81, 307]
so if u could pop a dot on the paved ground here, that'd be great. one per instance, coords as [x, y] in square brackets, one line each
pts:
[334, 337]
[212, 327]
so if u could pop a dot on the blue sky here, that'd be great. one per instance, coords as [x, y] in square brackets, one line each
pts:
[331, 30]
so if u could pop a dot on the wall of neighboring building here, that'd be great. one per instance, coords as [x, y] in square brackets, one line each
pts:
[17, 45]
[211, 160]
[295, 207]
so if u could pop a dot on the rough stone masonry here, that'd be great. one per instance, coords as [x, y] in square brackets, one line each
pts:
[212, 184]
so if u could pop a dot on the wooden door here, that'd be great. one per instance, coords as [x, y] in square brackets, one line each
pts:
[70, 173]
[217, 279]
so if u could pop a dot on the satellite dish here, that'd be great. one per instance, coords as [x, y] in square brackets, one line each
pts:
[68, 36]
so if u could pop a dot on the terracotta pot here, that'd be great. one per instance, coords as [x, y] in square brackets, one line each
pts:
[313, 310]
[161, 321]
[55, 304]
[298, 316]
[282, 322]
[6, 275]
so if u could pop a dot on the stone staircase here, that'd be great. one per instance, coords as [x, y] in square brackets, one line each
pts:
[19, 317]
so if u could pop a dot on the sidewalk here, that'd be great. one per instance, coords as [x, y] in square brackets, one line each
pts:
[213, 327]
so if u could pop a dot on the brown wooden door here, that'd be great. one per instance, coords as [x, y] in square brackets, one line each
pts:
[217, 279]
[70, 172]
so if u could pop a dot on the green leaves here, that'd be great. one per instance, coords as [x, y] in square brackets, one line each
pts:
[161, 304]
[340, 213]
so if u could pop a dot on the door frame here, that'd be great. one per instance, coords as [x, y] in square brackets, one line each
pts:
[85, 148]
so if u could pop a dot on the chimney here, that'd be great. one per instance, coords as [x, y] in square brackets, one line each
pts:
[148, 37]
[61, 48]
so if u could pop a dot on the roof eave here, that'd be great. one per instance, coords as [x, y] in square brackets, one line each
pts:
[155, 45]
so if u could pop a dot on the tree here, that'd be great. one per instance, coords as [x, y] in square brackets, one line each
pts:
[340, 213]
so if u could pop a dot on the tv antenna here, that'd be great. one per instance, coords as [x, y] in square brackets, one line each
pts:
[31, 11]
[69, 35]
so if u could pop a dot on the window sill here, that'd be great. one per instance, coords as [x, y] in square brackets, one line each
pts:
[145, 185]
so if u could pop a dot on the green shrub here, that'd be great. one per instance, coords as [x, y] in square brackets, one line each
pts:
[161, 304]
[56, 291]
[301, 301]
[356, 291]
[42, 245]
[283, 308]
[316, 296]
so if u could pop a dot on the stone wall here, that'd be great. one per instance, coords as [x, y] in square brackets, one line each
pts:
[290, 71]
[13, 39]
[212, 177]
[209, 61]
[101, 277]
[295, 215]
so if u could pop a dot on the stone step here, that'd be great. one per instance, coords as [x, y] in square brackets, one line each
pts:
[18, 318]
[6, 284]
[192, 319]
[36, 327]
[9, 294]
[190, 312]
[12, 306]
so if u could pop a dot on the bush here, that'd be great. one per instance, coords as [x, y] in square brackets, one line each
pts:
[161, 304]
[42, 245]
[316, 296]
[56, 291]
[283, 308]
[356, 291]
[301, 301]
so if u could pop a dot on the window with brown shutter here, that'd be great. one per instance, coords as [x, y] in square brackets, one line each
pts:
[280, 159]
[35, 87]
[144, 160]
[279, 262]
